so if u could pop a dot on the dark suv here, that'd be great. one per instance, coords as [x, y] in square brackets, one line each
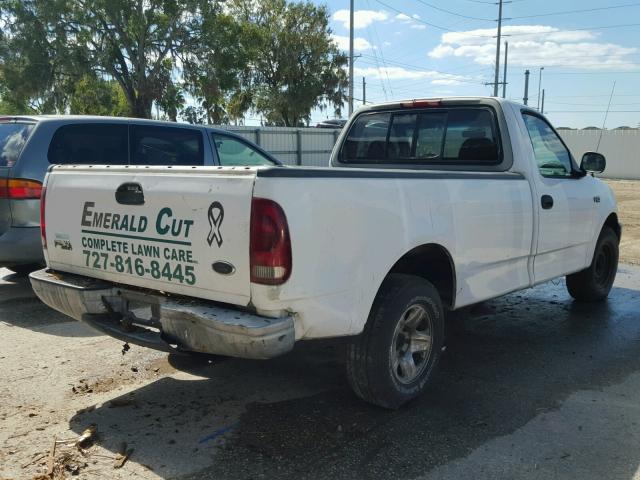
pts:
[29, 144]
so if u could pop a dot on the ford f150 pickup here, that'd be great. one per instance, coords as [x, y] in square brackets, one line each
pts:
[427, 206]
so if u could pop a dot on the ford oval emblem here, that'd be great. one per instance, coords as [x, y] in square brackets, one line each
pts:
[223, 268]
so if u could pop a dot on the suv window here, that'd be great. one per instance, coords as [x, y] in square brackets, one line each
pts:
[89, 143]
[151, 145]
[456, 136]
[552, 156]
[13, 136]
[232, 151]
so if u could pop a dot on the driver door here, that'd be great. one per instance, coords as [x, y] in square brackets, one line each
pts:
[565, 204]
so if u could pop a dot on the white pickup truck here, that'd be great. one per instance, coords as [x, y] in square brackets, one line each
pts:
[428, 206]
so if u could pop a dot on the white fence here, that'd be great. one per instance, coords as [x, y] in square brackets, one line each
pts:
[620, 147]
[312, 146]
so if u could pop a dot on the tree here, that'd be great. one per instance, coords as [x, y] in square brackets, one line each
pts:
[296, 65]
[134, 41]
[94, 96]
[216, 68]
[38, 63]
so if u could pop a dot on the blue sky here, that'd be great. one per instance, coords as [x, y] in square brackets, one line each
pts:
[424, 48]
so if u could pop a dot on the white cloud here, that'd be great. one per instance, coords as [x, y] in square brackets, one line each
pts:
[399, 73]
[537, 45]
[359, 43]
[361, 18]
[411, 21]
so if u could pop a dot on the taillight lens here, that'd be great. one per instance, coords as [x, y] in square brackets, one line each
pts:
[270, 247]
[17, 189]
[43, 231]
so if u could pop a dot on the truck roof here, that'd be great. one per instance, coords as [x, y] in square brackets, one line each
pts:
[435, 101]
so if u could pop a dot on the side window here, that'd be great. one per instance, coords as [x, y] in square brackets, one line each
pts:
[151, 145]
[367, 138]
[457, 136]
[552, 156]
[89, 143]
[234, 152]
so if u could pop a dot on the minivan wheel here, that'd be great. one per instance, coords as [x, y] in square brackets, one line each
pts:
[393, 359]
[594, 283]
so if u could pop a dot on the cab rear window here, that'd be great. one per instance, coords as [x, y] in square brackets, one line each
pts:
[13, 136]
[456, 136]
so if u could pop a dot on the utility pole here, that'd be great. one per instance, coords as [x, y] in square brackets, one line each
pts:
[504, 76]
[539, 84]
[351, 58]
[542, 106]
[497, 75]
[364, 91]
[526, 87]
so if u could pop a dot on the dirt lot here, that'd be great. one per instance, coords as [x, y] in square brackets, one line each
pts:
[532, 385]
[628, 195]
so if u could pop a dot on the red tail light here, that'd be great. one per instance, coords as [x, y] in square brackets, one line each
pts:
[17, 189]
[270, 247]
[43, 230]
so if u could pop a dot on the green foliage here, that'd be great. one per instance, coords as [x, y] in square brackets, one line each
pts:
[296, 66]
[120, 57]
[94, 96]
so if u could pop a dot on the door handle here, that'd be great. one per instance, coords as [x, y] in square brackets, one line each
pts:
[130, 194]
[546, 201]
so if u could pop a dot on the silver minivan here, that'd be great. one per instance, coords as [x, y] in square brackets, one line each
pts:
[30, 144]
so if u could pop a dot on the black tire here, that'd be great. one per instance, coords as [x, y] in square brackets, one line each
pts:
[593, 284]
[379, 360]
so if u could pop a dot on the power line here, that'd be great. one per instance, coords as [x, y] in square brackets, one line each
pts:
[455, 13]
[611, 7]
[439, 27]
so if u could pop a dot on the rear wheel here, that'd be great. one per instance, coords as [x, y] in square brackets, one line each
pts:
[594, 283]
[393, 359]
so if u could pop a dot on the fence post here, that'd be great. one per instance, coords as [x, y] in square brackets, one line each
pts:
[298, 147]
[257, 132]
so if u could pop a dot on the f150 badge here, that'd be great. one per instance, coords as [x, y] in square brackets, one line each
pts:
[216, 215]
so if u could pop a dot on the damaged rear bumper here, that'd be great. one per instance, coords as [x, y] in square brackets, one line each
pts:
[164, 323]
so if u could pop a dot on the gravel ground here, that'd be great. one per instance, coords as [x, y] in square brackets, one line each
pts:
[628, 196]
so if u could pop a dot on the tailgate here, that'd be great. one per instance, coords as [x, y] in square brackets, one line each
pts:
[155, 227]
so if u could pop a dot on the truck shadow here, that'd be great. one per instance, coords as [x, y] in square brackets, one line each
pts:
[506, 361]
[20, 307]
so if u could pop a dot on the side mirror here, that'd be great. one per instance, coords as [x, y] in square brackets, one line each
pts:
[593, 162]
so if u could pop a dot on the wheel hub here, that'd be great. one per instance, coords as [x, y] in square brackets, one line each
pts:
[412, 344]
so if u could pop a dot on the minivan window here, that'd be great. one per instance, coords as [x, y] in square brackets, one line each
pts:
[13, 136]
[89, 144]
[151, 145]
[232, 152]
[457, 136]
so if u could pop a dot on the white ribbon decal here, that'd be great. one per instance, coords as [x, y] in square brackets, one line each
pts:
[216, 214]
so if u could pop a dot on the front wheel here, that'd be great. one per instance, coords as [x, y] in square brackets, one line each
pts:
[594, 283]
[393, 359]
